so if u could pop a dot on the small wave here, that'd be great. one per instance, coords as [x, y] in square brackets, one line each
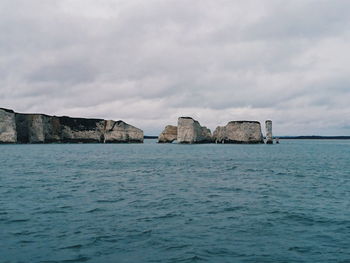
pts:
[176, 247]
[194, 258]
[48, 212]
[168, 215]
[229, 189]
[233, 208]
[63, 196]
[78, 246]
[300, 249]
[147, 232]
[22, 233]
[213, 195]
[18, 220]
[232, 168]
[251, 170]
[221, 252]
[213, 212]
[102, 238]
[65, 206]
[144, 219]
[79, 259]
[95, 210]
[109, 201]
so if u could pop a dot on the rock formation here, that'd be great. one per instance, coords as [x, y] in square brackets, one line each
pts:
[239, 132]
[119, 131]
[8, 133]
[190, 131]
[268, 127]
[40, 128]
[168, 135]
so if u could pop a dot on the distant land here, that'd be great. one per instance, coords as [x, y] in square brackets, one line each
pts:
[150, 137]
[314, 137]
[307, 137]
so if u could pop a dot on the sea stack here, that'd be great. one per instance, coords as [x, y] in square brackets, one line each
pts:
[190, 131]
[168, 135]
[41, 128]
[268, 127]
[240, 132]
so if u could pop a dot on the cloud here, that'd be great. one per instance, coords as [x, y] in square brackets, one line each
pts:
[150, 62]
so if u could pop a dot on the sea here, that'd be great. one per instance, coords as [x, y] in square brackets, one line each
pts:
[287, 202]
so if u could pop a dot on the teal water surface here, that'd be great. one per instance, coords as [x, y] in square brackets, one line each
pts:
[175, 203]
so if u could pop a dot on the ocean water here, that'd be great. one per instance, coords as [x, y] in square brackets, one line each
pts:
[175, 203]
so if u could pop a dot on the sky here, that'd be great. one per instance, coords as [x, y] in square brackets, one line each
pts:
[147, 62]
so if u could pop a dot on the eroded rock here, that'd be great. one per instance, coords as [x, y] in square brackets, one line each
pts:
[119, 131]
[239, 132]
[190, 131]
[268, 128]
[168, 135]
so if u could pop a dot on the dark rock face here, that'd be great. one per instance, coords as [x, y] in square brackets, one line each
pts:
[247, 132]
[22, 123]
[80, 130]
[40, 128]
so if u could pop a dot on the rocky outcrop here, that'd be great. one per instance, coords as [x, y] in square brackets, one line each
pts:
[268, 127]
[239, 132]
[8, 133]
[190, 131]
[40, 128]
[168, 135]
[119, 132]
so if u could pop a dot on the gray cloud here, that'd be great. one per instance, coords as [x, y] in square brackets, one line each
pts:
[150, 62]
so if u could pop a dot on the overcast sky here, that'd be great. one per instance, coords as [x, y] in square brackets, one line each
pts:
[149, 61]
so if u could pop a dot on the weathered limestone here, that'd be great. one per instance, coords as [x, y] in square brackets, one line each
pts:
[40, 128]
[168, 135]
[190, 131]
[119, 131]
[247, 132]
[268, 127]
[8, 133]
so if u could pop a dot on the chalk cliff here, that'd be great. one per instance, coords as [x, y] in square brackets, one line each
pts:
[190, 131]
[41, 128]
[168, 135]
[239, 132]
[8, 133]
